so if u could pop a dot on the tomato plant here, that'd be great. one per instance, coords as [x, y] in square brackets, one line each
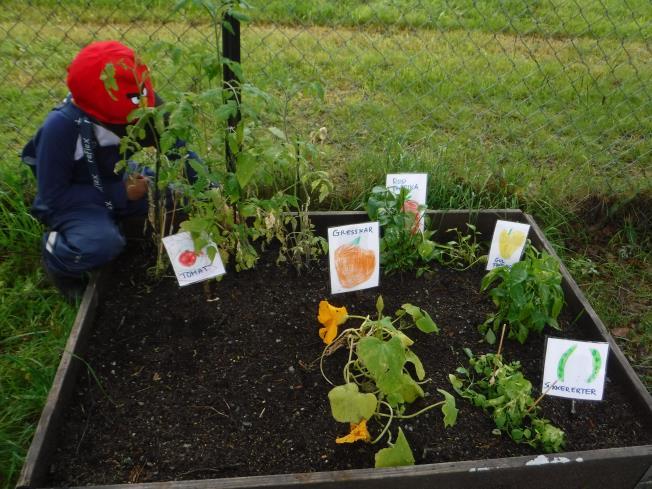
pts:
[251, 203]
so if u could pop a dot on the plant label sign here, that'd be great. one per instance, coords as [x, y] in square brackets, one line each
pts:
[191, 266]
[416, 184]
[354, 256]
[575, 369]
[507, 243]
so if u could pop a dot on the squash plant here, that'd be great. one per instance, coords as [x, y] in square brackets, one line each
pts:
[377, 383]
[225, 207]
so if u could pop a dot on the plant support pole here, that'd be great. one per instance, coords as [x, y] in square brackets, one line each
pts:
[231, 51]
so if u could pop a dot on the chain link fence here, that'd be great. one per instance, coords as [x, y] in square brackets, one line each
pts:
[507, 90]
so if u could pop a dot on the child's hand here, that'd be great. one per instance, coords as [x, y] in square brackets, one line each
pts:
[136, 187]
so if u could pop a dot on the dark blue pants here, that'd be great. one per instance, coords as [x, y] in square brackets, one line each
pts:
[85, 238]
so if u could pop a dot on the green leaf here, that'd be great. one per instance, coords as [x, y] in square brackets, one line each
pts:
[408, 391]
[421, 318]
[426, 249]
[412, 357]
[348, 405]
[227, 25]
[519, 272]
[232, 188]
[386, 324]
[211, 251]
[449, 408]
[239, 16]
[108, 79]
[225, 111]
[397, 454]
[246, 166]
[456, 383]
[384, 360]
[426, 324]
[490, 336]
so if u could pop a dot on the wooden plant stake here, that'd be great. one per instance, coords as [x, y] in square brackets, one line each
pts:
[541, 396]
[492, 380]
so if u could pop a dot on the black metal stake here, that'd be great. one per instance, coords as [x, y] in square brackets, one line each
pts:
[231, 51]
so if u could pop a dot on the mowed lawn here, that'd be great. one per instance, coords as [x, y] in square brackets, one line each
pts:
[543, 105]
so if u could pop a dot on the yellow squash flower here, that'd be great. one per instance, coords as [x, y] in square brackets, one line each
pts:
[358, 432]
[331, 317]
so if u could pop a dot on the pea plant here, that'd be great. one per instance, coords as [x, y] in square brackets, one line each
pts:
[229, 208]
[528, 296]
[377, 385]
[404, 247]
[501, 390]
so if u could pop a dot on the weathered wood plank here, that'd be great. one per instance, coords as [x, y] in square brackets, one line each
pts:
[614, 468]
[37, 459]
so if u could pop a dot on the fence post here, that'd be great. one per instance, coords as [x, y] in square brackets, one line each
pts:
[231, 51]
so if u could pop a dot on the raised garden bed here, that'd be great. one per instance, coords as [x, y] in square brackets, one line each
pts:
[220, 383]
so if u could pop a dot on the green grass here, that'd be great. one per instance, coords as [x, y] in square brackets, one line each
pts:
[503, 105]
[551, 18]
[34, 324]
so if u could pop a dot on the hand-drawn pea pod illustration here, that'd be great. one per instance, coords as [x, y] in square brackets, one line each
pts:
[597, 365]
[561, 366]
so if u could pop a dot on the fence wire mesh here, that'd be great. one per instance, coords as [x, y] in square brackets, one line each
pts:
[517, 87]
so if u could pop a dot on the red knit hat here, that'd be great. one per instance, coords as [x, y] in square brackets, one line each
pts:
[106, 103]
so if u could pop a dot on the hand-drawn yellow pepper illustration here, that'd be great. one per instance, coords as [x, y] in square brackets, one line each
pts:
[509, 242]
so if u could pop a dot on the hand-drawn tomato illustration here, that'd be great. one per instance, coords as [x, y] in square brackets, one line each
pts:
[412, 207]
[353, 264]
[188, 258]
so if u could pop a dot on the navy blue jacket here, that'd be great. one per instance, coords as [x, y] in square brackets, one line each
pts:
[64, 181]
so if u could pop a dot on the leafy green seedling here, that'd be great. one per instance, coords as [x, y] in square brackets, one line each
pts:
[501, 390]
[528, 296]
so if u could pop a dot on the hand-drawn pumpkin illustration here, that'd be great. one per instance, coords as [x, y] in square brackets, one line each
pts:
[353, 264]
[509, 242]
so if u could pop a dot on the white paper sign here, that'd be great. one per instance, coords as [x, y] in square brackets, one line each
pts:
[190, 266]
[354, 256]
[575, 369]
[507, 243]
[417, 184]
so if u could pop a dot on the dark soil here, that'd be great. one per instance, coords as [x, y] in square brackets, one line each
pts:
[224, 381]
